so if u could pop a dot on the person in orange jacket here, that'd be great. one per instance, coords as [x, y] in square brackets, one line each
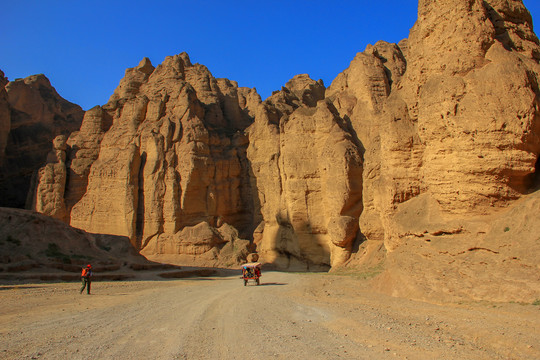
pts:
[86, 277]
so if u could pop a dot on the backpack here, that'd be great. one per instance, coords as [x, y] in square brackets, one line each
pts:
[84, 272]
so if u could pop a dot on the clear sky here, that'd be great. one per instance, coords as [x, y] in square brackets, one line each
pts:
[84, 47]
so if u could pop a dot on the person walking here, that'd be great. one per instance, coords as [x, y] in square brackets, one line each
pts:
[86, 277]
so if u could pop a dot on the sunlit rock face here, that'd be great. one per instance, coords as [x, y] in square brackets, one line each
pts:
[307, 166]
[175, 148]
[32, 114]
[446, 122]
[452, 112]
[476, 102]
[165, 153]
[457, 142]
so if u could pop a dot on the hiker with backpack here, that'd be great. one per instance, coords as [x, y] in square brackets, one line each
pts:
[86, 276]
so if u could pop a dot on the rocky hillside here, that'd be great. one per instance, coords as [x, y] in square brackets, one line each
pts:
[411, 158]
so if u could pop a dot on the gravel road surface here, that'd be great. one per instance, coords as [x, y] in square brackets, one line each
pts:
[289, 316]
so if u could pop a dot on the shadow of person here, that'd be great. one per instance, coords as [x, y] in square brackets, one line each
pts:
[272, 284]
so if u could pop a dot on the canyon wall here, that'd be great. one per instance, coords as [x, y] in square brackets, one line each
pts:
[436, 136]
[164, 157]
[455, 116]
[307, 168]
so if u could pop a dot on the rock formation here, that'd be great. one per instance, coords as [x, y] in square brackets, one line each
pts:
[435, 136]
[307, 166]
[455, 116]
[459, 141]
[36, 115]
[165, 154]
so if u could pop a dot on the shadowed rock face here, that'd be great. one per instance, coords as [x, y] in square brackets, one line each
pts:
[449, 116]
[35, 114]
[5, 117]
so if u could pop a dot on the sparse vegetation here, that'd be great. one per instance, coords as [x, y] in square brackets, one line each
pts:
[506, 229]
[536, 302]
[106, 248]
[12, 240]
[53, 251]
[365, 273]
[81, 257]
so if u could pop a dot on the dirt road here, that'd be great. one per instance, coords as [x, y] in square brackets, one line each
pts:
[290, 316]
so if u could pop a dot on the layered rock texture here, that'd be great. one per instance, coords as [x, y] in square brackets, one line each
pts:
[32, 114]
[163, 163]
[457, 141]
[307, 168]
[423, 143]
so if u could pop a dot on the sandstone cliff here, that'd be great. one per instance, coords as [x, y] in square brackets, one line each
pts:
[36, 115]
[165, 156]
[307, 168]
[425, 143]
[459, 142]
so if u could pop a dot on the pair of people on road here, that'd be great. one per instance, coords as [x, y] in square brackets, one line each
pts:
[86, 277]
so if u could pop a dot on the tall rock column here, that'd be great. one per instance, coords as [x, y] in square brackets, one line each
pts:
[303, 151]
[51, 182]
[363, 94]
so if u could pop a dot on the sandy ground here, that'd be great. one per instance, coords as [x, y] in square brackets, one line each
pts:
[290, 316]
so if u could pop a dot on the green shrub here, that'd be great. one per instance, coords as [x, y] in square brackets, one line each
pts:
[506, 229]
[53, 251]
[81, 257]
[13, 240]
[106, 248]
[536, 302]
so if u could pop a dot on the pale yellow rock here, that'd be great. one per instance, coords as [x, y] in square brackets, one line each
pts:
[49, 194]
[459, 143]
[459, 124]
[307, 169]
[84, 146]
[166, 152]
[191, 240]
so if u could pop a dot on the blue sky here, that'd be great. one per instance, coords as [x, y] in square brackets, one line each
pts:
[84, 47]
